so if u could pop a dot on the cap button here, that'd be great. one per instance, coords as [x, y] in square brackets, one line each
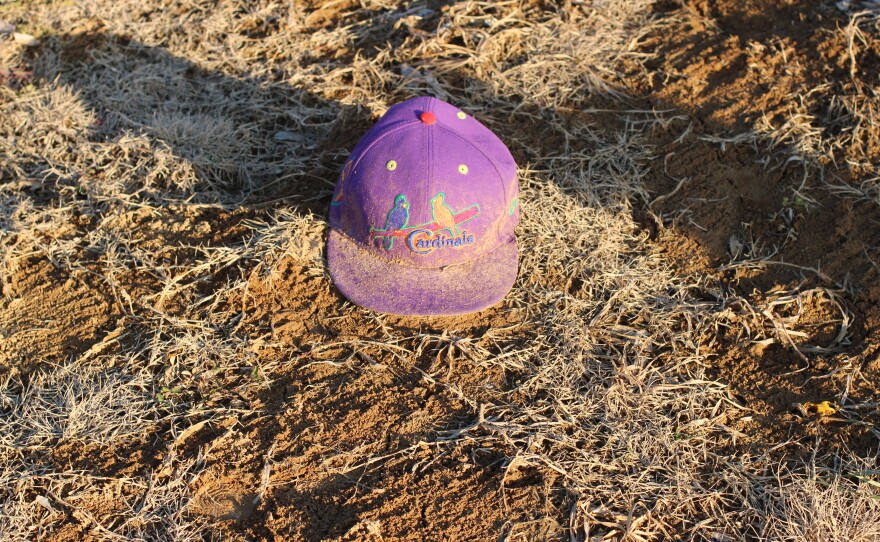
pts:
[427, 117]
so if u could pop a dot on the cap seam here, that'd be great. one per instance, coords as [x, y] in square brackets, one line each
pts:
[430, 153]
[378, 138]
[486, 156]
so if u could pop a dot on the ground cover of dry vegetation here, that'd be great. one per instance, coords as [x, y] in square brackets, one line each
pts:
[700, 241]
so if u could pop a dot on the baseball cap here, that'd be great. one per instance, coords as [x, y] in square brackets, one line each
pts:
[422, 219]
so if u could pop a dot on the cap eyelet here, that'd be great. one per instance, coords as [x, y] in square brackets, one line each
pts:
[463, 169]
[461, 115]
[391, 165]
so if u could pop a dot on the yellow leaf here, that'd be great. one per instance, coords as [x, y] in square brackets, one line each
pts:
[825, 408]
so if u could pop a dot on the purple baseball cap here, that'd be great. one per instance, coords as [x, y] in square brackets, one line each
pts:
[422, 220]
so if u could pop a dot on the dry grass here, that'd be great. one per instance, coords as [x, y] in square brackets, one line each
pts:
[614, 399]
[835, 121]
[826, 508]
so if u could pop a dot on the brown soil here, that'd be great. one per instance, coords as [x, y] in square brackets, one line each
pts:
[730, 65]
[384, 409]
[51, 314]
[318, 421]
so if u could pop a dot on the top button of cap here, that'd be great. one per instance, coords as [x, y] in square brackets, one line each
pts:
[427, 117]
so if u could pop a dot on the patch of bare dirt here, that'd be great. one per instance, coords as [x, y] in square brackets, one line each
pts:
[352, 447]
[49, 314]
[352, 453]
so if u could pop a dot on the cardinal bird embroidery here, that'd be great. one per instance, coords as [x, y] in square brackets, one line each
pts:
[425, 238]
[397, 218]
[443, 215]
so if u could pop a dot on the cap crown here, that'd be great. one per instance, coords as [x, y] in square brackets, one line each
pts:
[427, 190]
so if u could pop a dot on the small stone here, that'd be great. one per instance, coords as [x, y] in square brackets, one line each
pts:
[44, 502]
[406, 70]
[289, 136]
[25, 39]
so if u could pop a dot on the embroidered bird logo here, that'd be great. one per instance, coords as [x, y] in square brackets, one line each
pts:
[397, 218]
[443, 215]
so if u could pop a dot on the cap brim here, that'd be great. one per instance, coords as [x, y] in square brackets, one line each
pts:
[385, 286]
